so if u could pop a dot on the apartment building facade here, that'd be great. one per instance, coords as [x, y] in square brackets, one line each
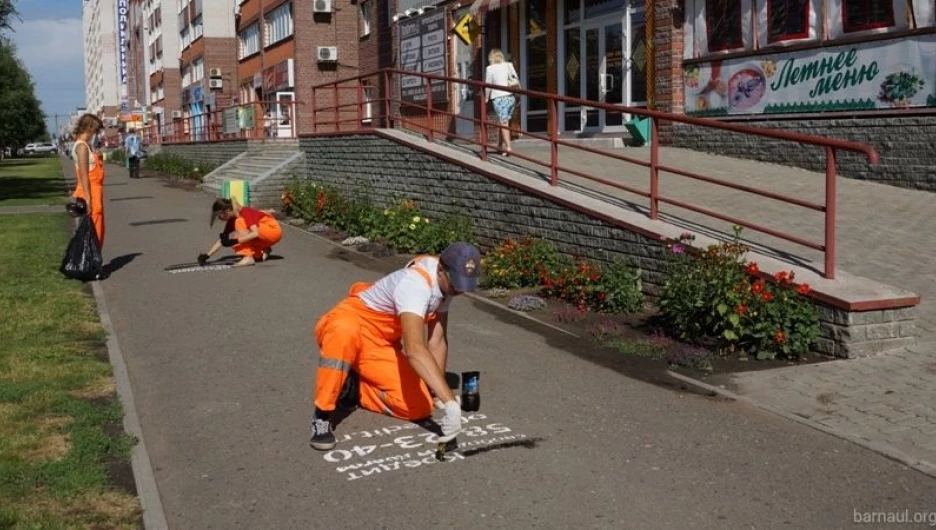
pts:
[101, 58]
[161, 38]
[284, 47]
[137, 79]
[207, 59]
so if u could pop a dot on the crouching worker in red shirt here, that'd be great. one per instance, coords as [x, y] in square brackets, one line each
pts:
[251, 232]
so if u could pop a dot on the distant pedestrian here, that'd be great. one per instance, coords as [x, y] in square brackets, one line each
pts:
[133, 147]
[89, 170]
[502, 73]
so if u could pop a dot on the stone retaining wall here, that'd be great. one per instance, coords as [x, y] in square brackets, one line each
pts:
[386, 170]
[907, 146]
[215, 153]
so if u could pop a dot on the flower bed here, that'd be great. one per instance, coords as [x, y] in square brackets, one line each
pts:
[178, 167]
[715, 311]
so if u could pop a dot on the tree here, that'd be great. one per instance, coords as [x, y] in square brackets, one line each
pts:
[7, 14]
[21, 117]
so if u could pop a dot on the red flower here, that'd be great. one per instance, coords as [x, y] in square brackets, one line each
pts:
[758, 287]
[782, 276]
[602, 296]
[766, 296]
[741, 310]
[803, 289]
[752, 269]
[779, 337]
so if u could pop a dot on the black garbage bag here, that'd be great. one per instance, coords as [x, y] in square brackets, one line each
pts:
[83, 259]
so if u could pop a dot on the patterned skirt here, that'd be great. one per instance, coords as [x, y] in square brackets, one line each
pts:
[504, 107]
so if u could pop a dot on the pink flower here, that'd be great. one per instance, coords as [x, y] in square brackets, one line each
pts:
[678, 249]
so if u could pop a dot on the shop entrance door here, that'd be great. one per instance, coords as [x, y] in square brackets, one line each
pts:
[603, 57]
[465, 94]
[284, 114]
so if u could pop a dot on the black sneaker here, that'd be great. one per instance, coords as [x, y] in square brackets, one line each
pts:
[323, 439]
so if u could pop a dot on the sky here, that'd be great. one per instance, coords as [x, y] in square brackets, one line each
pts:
[49, 42]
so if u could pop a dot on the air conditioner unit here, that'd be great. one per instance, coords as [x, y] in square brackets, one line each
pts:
[327, 53]
[412, 12]
[176, 114]
[321, 6]
[214, 72]
[215, 83]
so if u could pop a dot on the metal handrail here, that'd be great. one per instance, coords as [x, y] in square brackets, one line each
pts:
[388, 117]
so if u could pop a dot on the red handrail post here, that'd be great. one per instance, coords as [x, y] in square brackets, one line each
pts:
[483, 135]
[389, 121]
[429, 127]
[360, 103]
[654, 169]
[337, 115]
[314, 111]
[553, 118]
[830, 213]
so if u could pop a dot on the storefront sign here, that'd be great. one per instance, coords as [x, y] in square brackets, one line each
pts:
[123, 29]
[198, 94]
[888, 74]
[423, 48]
[229, 120]
[467, 29]
[279, 77]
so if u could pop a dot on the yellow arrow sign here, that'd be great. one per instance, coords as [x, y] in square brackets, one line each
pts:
[467, 29]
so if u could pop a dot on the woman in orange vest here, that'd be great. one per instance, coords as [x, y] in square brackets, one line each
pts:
[251, 232]
[375, 350]
[89, 171]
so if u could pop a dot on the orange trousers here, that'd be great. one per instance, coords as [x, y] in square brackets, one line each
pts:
[96, 178]
[354, 337]
[270, 234]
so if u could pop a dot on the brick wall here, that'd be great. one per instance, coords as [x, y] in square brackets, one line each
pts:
[339, 28]
[907, 146]
[668, 49]
[221, 52]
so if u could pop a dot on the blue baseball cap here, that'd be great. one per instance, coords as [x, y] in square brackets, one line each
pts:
[462, 261]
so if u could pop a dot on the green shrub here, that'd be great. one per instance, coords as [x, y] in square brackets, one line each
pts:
[716, 296]
[517, 263]
[177, 166]
[614, 288]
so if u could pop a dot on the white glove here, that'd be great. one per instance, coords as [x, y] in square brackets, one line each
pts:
[451, 422]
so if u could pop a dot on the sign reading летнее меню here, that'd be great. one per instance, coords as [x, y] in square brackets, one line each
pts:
[888, 74]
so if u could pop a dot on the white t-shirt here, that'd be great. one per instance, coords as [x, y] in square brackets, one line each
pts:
[92, 161]
[406, 291]
[498, 74]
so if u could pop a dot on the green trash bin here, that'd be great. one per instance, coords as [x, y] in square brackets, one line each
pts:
[639, 129]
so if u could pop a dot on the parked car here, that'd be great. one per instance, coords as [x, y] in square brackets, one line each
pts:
[43, 148]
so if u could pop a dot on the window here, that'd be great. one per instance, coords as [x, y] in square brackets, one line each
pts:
[370, 92]
[365, 18]
[198, 70]
[723, 24]
[198, 28]
[861, 15]
[186, 76]
[278, 24]
[249, 40]
[186, 38]
[787, 20]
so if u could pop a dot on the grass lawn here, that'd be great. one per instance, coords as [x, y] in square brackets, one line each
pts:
[64, 458]
[30, 181]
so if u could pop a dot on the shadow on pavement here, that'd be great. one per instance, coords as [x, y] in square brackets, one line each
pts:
[118, 263]
[139, 197]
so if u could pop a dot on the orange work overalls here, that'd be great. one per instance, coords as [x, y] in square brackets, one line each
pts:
[355, 337]
[270, 234]
[96, 179]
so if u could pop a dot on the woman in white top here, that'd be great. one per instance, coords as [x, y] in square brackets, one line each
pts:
[500, 72]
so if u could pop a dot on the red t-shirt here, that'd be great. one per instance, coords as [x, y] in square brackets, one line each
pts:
[251, 216]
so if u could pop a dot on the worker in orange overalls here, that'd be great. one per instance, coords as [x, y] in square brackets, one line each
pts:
[375, 350]
[251, 232]
[89, 171]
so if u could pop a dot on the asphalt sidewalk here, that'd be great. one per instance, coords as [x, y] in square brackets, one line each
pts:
[222, 363]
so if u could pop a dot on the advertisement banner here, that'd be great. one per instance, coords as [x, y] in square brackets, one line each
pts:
[123, 34]
[423, 48]
[888, 74]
